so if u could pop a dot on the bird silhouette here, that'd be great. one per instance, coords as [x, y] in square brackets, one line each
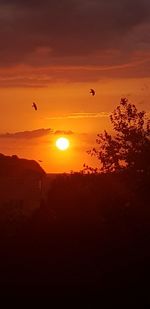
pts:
[34, 106]
[92, 91]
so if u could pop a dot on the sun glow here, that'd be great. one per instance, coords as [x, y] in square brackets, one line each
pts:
[62, 143]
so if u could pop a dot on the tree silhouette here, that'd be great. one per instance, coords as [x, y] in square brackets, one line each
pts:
[129, 147]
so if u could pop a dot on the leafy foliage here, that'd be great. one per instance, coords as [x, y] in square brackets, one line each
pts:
[129, 148]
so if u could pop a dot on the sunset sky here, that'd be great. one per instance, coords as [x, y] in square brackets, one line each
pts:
[52, 53]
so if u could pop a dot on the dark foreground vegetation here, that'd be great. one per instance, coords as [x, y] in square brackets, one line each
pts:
[91, 230]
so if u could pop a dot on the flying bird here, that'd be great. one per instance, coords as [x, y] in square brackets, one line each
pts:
[92, 91]
[34, 106]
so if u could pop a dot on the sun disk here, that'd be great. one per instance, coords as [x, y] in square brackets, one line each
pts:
[62, 143]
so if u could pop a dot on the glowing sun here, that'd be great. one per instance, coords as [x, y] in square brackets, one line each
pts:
[62, 143]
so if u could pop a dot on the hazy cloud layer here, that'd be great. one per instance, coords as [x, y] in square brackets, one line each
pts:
[64, 32]
[34, 134]
[58, 132]
[109, 65]
[80, 116]
[27, 134]
[44, 42]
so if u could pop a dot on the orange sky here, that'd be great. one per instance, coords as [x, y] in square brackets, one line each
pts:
[64, 107]
[53, 53]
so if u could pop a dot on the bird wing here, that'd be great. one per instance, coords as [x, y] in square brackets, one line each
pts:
[92, 91]
[35, 106]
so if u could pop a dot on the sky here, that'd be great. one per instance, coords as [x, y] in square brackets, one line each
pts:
[52, 53]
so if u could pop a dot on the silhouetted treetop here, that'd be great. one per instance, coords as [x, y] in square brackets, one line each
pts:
[129, 147]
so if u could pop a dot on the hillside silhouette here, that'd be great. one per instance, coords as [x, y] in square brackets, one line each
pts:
[14, 166]
[21, 188]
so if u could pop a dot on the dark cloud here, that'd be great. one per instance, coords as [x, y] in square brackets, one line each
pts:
[58, 132]
[56, 30]
[113, 65]
[34, 134]
[27, 134]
